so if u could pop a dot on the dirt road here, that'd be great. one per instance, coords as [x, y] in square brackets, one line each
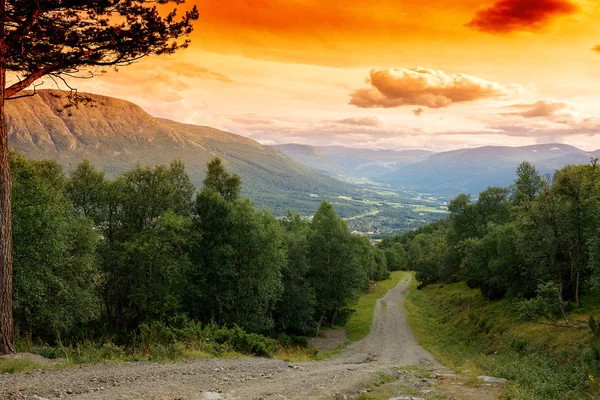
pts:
[389, 346]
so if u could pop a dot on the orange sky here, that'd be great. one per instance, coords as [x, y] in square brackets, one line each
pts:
[381, 73]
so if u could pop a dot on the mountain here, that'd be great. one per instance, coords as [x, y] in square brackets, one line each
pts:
[312, 157]
[115, 135]
[339, 160]
[472, 170]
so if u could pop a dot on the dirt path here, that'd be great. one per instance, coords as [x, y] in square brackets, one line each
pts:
[389, 347]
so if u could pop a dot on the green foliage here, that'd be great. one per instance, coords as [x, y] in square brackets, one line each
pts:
[480, 337]
[509, 240]
[548, 305]
[594, 326]
[156, 263]
[54, 254]
[241, 253]
[237, 339]
[219, 180]
[87, 189]
[134, 268]
[335, 274]
[295, 311]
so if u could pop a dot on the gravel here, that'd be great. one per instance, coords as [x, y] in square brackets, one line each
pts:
[389, 346]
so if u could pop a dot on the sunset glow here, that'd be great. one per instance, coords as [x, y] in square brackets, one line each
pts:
[381, 74]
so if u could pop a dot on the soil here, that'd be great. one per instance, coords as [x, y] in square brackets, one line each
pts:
[390, 349]
[328, 339]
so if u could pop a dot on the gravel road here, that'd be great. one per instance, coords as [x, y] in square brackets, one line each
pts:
[390, 345]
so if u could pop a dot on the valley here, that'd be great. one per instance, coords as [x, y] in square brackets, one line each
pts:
[116, 135]
[378, 192]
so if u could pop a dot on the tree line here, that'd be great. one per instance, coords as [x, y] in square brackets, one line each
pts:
[539, 237]
[98, 257]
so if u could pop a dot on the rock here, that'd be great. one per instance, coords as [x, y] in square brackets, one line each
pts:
[491, 379]
[442, 376]
[406, 398]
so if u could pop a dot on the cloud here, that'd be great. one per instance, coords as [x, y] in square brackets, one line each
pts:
[552, 110]
[189, 70]
[546, 119]
[373, 122]
[418, 112]
[425, 87]
[506, 16]
[596, 48]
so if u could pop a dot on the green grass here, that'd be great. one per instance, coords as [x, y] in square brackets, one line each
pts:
[89, 352]
[14, 366]
[465, 331]
[359, 323]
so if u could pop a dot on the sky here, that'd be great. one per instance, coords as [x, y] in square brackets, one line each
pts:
[394, 74]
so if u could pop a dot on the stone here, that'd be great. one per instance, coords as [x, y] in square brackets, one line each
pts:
[491, 379]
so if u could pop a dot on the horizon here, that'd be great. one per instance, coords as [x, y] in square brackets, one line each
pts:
[376, 77]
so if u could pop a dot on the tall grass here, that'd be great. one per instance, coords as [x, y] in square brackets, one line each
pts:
[467, 332]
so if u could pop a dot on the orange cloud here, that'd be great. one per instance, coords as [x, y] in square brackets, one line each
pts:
[418, 112]
[373, 122]
[520, 15]
[596, 48]
[425, 87]
[544, 109]
[190, 70]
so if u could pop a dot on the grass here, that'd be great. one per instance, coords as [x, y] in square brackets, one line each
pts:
[359, 323]
[14, 366]
[295, 354]
[465, 331]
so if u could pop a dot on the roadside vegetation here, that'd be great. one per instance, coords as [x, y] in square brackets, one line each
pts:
[509, 283]
[143, 267]
[477, 336]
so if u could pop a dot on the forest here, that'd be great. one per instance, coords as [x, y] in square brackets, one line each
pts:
[538, 240]
[115, 260]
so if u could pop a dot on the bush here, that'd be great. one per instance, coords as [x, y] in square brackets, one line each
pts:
[237, 339]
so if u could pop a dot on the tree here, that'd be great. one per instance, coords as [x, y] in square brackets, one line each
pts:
[87, 189]
[54, 263]
[295, 311]
[156, 262]
[219, 180]
[61, 38]
[528, 183]
[335, 274]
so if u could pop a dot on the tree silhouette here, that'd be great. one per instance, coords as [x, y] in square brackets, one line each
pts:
[70, 38]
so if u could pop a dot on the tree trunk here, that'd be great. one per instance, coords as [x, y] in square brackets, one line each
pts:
[319, 324]
[577, 289]
[6, 318]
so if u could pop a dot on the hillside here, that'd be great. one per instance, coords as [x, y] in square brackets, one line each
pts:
[312, 157]
[115, 135]
[472, 170]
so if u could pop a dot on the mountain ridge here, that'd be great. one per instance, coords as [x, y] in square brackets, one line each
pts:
[449, 172]
[115, 135]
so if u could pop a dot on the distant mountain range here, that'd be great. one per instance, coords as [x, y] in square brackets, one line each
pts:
[338, 160]
[115, 135]
[472, 170]
[449, 173]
